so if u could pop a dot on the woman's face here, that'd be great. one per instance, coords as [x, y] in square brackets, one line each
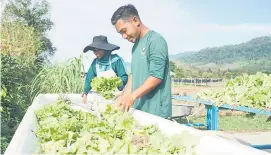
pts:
[99, 53]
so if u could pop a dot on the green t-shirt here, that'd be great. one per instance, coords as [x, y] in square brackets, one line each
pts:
[150, 58]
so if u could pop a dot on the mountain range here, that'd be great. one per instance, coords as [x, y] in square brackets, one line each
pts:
[251, 56]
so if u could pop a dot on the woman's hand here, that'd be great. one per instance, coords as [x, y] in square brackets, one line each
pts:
[84, 98]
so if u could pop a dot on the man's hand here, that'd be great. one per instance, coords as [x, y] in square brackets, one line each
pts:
[84, 98]
[118, 101]
[126, 101]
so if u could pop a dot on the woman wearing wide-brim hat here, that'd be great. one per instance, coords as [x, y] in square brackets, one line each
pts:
[105, 65]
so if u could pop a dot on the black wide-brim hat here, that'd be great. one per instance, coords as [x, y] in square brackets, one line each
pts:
[100, 42]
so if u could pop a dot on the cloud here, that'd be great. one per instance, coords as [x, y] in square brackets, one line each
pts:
[77, 23]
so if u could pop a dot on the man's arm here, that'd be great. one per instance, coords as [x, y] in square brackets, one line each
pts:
[129, 98]
[126, 92]
[150, 83]
[128, 87]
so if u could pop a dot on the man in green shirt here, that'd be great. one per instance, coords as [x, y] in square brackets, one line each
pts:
[149, 86]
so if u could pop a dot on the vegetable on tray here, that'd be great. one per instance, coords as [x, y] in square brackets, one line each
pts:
[63, 130]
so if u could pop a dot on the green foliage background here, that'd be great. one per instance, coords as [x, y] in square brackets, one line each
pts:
[24, 50]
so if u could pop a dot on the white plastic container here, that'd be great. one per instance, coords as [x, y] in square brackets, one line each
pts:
[25, 142]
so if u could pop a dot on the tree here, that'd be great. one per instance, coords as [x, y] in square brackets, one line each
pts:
[23, 46]
[33, 15]
[172, 66]
[18, 46]
[228, 75]
[188, 73]
[19, 41]
[200, 73]
[177, 70]
[206, 74]
[209, 70]
[179, 73]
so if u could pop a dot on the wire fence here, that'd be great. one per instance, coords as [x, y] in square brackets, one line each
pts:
[197, 81]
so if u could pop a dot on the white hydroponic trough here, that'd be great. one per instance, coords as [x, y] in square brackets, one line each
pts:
[25, 142]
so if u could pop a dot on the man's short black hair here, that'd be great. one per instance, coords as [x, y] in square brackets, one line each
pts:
[124, 12]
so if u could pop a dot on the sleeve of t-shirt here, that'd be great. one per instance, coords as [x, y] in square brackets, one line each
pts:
[90, 75]
[158, 56]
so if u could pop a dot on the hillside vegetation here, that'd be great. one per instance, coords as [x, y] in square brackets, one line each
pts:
[248, 57]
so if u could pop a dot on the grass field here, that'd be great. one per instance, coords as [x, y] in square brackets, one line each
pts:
[236, 123]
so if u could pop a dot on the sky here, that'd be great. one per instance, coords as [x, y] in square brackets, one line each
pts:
[187, 25]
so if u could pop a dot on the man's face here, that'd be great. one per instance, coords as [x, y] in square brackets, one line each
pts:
[128, 29]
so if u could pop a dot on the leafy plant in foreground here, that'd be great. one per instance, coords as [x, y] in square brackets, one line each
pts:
[62, 130]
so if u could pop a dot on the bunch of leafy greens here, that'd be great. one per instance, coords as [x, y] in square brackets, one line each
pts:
[247, 90]
[62, 130]
[106, 86]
